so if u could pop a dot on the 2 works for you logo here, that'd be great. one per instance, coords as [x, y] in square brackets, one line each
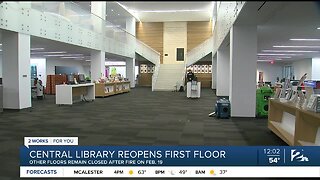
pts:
[298, 156]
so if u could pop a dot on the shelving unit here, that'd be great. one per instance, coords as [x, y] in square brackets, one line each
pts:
[109, 89]
[294, 125]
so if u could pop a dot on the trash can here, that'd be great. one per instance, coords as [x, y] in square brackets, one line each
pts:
[223, 108]
[193, 89]
[263, 95]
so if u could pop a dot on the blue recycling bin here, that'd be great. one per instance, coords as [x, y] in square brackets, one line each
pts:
[223, 108]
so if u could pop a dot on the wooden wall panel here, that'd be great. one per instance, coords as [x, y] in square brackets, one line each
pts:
[204, 78]
[197, 32]
[151, 33]
[145, 80]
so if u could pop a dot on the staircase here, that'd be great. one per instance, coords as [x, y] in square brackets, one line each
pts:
[199, 51]
[169, 76]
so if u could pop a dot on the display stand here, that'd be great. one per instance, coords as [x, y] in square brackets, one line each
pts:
[293, 124]
[112, 88]
[104, 89]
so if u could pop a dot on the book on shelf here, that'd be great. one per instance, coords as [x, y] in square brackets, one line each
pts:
[314, 103]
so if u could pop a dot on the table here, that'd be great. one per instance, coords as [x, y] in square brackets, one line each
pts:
[65, 93]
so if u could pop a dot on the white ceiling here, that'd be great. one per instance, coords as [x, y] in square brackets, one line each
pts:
[291, 20]
[114, 12]
[117, 15]
[278, 22]
[55, 46]
[173, 10]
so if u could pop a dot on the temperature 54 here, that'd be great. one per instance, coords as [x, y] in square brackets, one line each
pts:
[274, 160]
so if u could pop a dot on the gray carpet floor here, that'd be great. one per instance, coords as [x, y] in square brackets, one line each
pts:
[140, 117]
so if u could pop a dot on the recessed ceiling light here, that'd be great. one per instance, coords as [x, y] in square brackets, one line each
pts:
[0, 44]
[304, 39]
[262, 54]
[168, 11]
[268, 57]
[72, 57]
[113, 26]
[269, 60]
[53, 52]
[34, 49]
[111, 9]
[296, 46]
[263, 60]
[287, 51]
[118, 14]
[318, 28]
[62, 55]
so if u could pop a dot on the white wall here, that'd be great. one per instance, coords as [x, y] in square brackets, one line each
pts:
[16, 71]
[315, 69]
[223, 72]
[1, 66]
[174, 36]
[130, 71]
[301, 67]
[87, 69]
[214, 72]
[51, 63]
[41, 69]
[131, 25]
[243, 65]
[120, 70]
[270, 71]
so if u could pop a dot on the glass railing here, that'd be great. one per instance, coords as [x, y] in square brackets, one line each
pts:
[112, 38]
[199, 51]
[147, 52]
[118, 40]
[115, 39]
[152, 55]
[72, 12]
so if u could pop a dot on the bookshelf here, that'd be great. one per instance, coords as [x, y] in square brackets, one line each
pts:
[293, 124]
[112, 88]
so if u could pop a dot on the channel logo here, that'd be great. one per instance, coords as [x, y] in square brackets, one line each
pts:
[298, 156]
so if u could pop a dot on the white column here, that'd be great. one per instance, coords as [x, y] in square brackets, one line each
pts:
[99, 9]
[97, 65]
[0, 66]
[315, 70]
[243, 67]
[130, 67]
[223, 71]
[98, 57]
[131, 25]
[16, 70]
[214, 72]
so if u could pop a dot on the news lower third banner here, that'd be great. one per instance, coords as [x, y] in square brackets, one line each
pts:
[63, 157]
